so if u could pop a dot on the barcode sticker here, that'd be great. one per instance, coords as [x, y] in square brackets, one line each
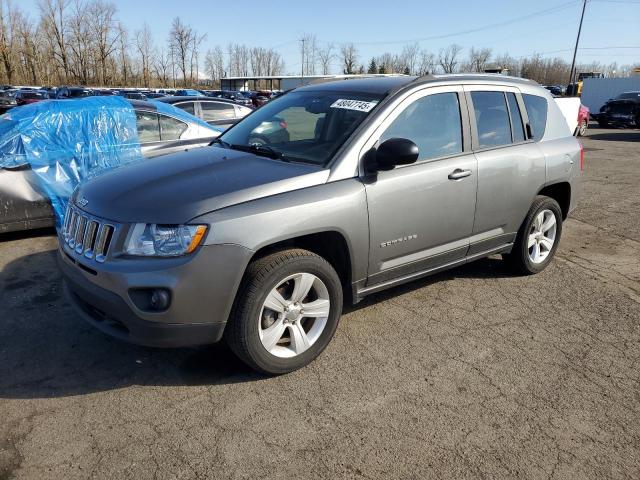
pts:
[358, 105]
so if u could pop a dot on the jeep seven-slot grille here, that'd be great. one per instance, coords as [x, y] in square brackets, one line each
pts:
[86, 235]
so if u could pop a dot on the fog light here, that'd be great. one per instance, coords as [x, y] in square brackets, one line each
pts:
[159, 300]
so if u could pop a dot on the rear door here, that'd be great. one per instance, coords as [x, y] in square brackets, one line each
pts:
[511, 167]
[421, 215]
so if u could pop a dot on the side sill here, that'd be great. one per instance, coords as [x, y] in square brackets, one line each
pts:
[361, 292]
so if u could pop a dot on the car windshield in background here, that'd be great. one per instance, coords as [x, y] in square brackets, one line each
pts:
[629, 96]
[302, 126]
[31, 95]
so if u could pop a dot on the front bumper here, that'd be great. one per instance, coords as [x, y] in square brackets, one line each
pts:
[202, 291]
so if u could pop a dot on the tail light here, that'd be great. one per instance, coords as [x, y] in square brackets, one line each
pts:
[581, 157]
[283, 124]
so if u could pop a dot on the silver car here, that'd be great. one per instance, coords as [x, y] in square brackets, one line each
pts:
[26, 206]
[378, 182]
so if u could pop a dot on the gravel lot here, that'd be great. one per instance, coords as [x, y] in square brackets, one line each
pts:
[473, 373]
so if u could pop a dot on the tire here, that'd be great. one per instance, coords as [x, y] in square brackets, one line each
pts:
[522, 258]
[582, 129]
[248, 331]
[603, 124]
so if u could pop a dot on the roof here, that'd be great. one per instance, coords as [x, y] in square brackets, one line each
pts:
[375, 85]
[383, 85]
[191, 98]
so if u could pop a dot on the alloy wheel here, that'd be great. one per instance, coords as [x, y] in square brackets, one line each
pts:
[294, 315]
[542, 236]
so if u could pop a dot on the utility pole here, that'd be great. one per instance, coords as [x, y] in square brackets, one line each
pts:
[575, 50]
[302, 69]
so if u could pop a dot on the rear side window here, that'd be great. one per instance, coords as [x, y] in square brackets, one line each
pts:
[212, 111]
[517, 126]
[171, 129]
[537, 111]
[492, 119]
[188, 107]
[148, 127]
[433, 123]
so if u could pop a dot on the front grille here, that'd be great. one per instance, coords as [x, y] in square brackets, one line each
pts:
[87, 235]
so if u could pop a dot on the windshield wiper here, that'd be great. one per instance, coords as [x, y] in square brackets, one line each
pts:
[262, 150]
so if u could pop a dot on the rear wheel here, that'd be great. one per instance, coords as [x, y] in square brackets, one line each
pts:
[286, 312]
[582, 129]
[538, 237]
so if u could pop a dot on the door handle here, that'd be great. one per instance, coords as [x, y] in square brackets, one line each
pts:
[459, 174]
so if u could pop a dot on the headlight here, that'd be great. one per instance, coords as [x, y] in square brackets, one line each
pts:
[152, 240]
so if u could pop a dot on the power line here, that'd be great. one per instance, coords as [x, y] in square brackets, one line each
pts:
[472, 30]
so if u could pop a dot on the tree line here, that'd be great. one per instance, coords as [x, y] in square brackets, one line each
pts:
[82, 42]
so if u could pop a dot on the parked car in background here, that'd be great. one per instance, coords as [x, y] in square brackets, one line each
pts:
[26, 206]
[215, 111]
[583, 121]
[7, 101]
[74, 92]
[621, 111]
[382, 181]
[260, 98]
[105, 92]
[234, 95]
[554, 89]
[188, 93]
[153, 95]
[133, 95]
[25, 97]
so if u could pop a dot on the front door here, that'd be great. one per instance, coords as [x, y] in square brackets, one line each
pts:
[421, 215]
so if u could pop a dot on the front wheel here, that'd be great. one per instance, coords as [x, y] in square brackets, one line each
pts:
[538, 237]
[286, 312]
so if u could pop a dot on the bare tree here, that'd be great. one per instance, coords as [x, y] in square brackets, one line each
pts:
[448, 58]
[409, 56]
[144, 45]
[9, 37]
[162, 67]
[308, 50]
[53, 14]
[214, 63]
[325, 57]
[478, 59]
[427, 63]
[123, 46]
[180, 43]
[349, 54]
[80, 39]
[101, 16]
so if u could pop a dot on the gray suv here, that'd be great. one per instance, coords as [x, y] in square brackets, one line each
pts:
[380, 181]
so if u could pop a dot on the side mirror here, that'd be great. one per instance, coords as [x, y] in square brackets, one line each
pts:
[394, 152]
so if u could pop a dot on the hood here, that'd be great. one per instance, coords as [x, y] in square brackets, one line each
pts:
[175, 188]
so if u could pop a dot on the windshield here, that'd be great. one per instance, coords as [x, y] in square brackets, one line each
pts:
[31, 95]
[302, 126]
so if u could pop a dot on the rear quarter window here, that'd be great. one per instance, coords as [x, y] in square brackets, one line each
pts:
[537, 111]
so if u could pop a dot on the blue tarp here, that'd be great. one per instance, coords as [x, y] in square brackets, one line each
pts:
[67, 141]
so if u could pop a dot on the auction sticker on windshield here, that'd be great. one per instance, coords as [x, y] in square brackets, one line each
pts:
[358, 105]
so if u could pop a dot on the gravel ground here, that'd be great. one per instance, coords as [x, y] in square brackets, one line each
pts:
[473, 373]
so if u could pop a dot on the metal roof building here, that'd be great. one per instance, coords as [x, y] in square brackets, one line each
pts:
[283, 82]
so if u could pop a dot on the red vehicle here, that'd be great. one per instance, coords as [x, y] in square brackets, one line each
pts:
[583, 121]
[260, 97]
[24, 97]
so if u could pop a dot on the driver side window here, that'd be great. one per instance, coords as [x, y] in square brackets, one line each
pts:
[433, 123]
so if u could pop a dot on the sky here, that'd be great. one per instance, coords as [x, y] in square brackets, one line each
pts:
[517, 27]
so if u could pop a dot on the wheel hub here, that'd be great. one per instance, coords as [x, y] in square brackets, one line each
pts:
[292, 313]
